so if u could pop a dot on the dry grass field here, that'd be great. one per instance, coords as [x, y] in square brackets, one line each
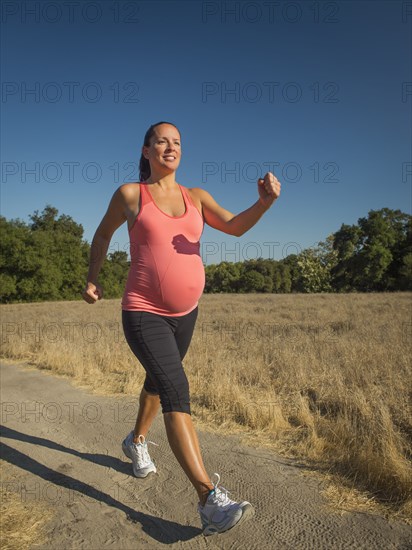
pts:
[323, 378]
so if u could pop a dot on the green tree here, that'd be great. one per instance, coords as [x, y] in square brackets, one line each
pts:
[294, 271]
[372, 256]
[314, 275]
[210, 284]
[226, 277]
[347, 243]
[14, 234]
[285, 277]
[252, 281]
[268, 284]
[405, 273]
[113, 274]
[43, 260]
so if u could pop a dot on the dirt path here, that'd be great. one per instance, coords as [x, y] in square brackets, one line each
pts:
[65, 443]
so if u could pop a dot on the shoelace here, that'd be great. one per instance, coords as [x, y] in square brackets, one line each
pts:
[220, 492]
[141, 448]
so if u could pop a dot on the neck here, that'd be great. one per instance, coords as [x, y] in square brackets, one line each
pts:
[164, 181]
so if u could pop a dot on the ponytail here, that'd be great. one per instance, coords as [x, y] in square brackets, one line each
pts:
[144, 168]
[144, 164]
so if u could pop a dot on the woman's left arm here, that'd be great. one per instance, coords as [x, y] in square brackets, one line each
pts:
[221, 219]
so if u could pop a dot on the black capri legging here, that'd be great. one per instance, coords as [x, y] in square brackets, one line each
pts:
[160, 344]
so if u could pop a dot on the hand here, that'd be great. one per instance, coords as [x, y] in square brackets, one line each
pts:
[92, 293]
[269, 189]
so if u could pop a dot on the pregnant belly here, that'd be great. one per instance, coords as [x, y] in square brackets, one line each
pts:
[172, 286]
[182, 288]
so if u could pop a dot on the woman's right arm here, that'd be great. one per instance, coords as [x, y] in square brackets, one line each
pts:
[115, 216]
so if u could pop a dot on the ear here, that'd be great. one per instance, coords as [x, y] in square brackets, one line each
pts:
[145, 152]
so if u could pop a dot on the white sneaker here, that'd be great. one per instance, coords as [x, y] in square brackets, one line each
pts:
[139, 455]
[220, 513]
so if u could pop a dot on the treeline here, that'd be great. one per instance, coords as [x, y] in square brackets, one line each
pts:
[48, 259]
[373, 255]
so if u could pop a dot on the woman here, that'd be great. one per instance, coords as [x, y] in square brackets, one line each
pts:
[160, 302]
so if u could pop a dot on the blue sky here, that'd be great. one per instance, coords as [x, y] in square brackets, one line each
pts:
[320, 91]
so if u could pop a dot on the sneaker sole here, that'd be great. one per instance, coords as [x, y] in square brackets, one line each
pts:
[247, 512]
[140, 473]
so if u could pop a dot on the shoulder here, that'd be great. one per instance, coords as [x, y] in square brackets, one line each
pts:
[199, 193]
[128, 189]
[129, 192]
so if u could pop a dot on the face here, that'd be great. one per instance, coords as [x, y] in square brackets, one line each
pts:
[164, 152]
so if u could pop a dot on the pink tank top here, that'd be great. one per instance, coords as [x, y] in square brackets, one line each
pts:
[166, 274]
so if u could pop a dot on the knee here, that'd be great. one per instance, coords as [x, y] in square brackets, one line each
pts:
[181, 406]
[151, 392]
[150, 387]
[175, 397]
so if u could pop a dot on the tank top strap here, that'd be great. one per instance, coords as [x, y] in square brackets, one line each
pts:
[144, 195]
[187, 196]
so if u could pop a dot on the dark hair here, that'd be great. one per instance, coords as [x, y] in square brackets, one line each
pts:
[144, 165]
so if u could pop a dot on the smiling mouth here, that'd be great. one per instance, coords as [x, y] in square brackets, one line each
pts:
[169, 158]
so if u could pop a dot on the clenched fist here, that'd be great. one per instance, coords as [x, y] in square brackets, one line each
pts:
[269, 189]
[92, 293]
